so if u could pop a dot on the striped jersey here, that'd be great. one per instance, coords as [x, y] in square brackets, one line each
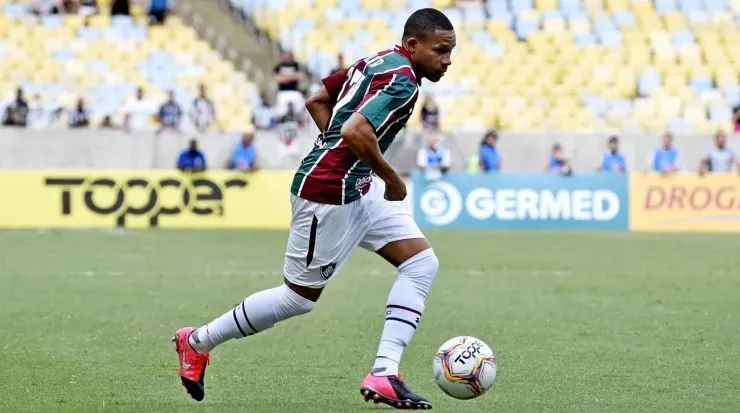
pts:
[383, 88]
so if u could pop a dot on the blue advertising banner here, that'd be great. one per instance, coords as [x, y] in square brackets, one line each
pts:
[522, 201]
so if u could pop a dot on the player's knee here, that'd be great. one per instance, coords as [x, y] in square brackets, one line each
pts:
[294, 303]
[422, 266]
[433, 263]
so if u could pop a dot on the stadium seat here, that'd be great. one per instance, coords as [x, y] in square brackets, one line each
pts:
[104, 61]
[520, 64]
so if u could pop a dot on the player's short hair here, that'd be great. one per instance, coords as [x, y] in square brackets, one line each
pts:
[424, 22]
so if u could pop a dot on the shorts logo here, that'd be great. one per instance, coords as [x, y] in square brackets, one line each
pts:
[328, 270]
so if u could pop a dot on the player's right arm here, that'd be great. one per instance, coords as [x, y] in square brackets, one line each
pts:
[360, 136]
[387, 95]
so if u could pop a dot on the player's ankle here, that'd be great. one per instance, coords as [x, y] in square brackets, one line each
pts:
[384, 367]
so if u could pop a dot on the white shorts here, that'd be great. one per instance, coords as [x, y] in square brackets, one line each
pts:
[322, 237]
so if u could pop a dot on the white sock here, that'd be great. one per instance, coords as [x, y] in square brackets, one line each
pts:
[255, 314]
[404, 310]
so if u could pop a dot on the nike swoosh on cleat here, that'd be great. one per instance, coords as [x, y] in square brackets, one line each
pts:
[185, 364]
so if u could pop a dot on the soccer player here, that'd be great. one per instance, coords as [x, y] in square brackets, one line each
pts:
[337, 205]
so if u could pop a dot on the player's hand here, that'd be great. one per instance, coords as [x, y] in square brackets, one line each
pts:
[395, 189]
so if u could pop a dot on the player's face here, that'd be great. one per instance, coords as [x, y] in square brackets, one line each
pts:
[432, 53]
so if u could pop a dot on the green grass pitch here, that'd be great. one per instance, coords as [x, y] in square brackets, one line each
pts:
[579, 322]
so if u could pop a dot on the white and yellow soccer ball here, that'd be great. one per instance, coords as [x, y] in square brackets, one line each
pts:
[464, 367]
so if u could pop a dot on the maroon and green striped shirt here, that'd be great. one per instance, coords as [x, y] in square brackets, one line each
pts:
[383, 88]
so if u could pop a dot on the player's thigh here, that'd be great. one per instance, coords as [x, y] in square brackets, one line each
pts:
[389, 222]
[322, 237]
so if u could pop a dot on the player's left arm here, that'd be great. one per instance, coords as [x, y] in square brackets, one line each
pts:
[320, 105]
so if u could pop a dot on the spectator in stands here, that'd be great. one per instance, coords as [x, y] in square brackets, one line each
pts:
[88, 7]
[720, 158]
[558, 163]
[46, 7]
[288, 75]
[138, 112]
[340, 64]
[262, 114]
[79, 117]
[244, 157]
[430, 113]
[433, 159]
[120, 7]
[665, 157]
[16, 112]
[288, 126]
[41, 115]
[169, 115]
[613, 160]
[191, 159]
[158, 11]
[489, 156]
[203, 112]
[70, 6]
[107, 123]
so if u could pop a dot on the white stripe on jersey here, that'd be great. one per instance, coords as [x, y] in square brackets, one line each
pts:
[354, 165]
[376, 93]
[416, 92]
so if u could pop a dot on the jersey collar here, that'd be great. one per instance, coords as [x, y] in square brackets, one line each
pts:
[405, 53]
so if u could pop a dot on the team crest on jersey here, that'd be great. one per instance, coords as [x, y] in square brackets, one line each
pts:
[328, 270]
[319, 142]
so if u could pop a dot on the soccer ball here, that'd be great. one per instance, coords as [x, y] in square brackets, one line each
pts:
[464, 367]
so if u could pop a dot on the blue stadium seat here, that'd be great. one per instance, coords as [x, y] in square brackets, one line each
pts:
[611, 38]
[663, 6]
[587, 39]
[682, 37]
[497, 7]
[521, 5]
[688, 6]
[715, 5]
[648, 81]
[597, 105]
[701, 84]
[625, 17]
[568, 6]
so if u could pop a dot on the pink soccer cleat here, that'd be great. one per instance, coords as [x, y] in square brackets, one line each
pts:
[392, 390]
[192, 364]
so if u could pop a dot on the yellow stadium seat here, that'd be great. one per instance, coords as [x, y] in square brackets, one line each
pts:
[593, 6]
[675, 20]
[617, 5]
[442, 4]
[374, 4]
[722, 19]
[545, 5]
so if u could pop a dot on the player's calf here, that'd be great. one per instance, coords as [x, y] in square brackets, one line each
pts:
[404, 309]
[257, 313]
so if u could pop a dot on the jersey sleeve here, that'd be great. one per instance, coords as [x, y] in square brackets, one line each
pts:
[386, 95]
[334, 83]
